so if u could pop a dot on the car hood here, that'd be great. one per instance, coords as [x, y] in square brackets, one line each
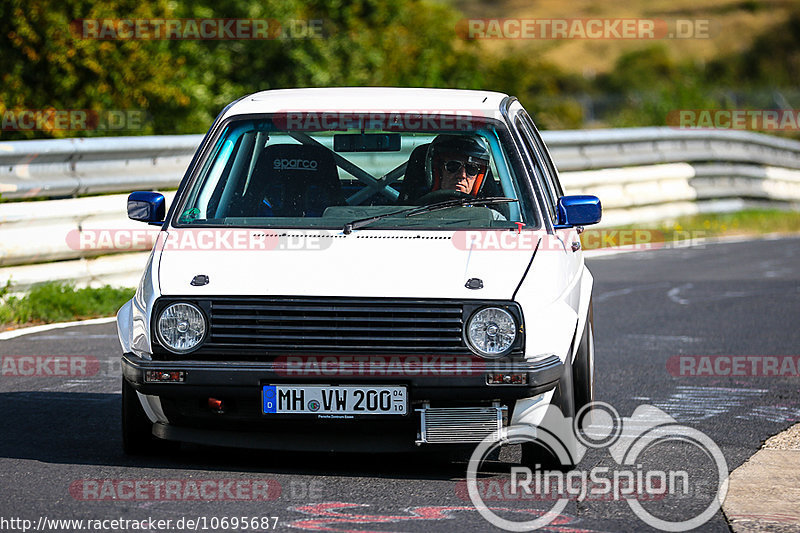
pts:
[366, 263]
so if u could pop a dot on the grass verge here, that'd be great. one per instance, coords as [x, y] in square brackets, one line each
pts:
[59, 302]
[750, 222]
[747, 222]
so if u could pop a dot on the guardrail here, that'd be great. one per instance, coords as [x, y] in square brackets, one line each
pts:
[640, 174]
[72, 167]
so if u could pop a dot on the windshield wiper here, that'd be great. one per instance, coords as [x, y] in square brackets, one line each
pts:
[409, 212]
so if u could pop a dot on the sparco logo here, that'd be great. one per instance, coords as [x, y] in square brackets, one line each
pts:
[295, 164]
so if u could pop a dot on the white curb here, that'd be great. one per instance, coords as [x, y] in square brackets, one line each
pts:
[47, 327]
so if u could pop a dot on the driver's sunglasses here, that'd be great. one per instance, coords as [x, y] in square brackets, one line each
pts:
[454, 166]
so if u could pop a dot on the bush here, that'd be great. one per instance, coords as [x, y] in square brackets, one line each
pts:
[58, 302]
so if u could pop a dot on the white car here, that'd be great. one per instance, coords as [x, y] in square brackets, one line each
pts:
[359, 269]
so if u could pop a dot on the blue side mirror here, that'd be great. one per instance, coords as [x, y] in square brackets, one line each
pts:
[579, 210]
[146, 206]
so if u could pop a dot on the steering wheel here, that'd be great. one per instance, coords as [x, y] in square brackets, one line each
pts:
[441, 195]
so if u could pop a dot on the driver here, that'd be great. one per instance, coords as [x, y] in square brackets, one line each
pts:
[458, 163]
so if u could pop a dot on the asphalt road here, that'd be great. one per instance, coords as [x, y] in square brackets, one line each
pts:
[61, 458]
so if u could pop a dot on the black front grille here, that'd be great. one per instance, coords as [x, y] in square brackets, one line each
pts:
[336, 325]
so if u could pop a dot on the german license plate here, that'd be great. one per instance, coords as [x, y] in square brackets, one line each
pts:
[334, 400]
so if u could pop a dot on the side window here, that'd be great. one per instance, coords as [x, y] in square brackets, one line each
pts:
[551, 196]
[544, 152]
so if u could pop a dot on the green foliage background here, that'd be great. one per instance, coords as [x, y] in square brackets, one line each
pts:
[182, 85]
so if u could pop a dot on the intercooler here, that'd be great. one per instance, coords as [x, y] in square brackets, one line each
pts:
[453, 425]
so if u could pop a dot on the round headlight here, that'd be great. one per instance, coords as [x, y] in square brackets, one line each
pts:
[491, 331]
[181, 327]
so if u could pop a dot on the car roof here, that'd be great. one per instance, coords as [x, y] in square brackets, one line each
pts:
[378, 99]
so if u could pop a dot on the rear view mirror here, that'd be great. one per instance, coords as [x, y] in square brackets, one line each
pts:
[146, 206]
[366, 142]
[579, 210]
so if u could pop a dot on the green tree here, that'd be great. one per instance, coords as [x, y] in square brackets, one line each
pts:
[45, 65]
[183, 84]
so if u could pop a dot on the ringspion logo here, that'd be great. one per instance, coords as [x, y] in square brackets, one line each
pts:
[638, 475]
[602, 484]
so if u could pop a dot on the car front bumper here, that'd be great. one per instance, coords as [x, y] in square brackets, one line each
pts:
[186, 415]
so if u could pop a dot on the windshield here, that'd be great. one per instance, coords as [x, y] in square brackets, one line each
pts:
[292, 171]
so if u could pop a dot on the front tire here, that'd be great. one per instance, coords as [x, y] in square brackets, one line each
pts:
[583, 367]
[534, 453]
